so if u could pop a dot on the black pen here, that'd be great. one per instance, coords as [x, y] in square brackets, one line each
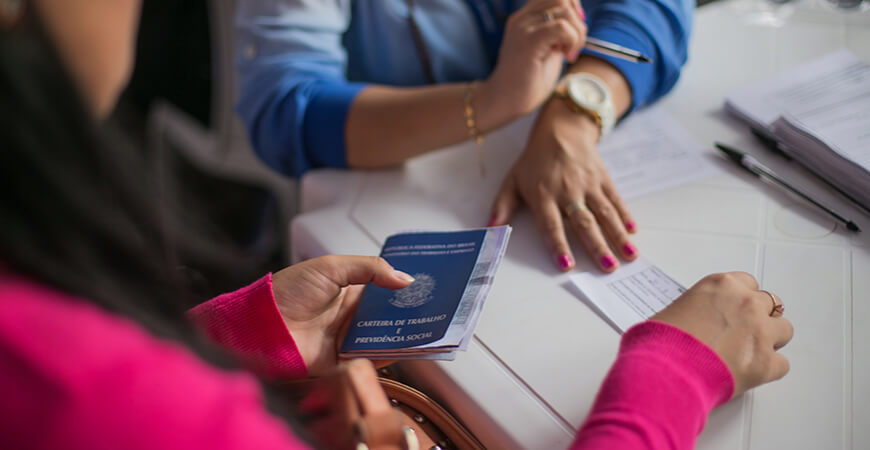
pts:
[754, 167]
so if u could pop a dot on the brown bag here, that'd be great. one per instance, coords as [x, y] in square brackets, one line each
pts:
[354, 409]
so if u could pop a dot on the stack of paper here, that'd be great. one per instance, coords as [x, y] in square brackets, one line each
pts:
[435, 316]
[820, 113]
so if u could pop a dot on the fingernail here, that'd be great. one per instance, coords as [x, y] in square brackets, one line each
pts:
[630, 226]
[629, 249]
[491, 221]
[403, 276]
[575, 55]
[581, 13]
[608, 261]
[565, 261]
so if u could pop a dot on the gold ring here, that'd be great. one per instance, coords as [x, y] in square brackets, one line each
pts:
[574, 207]
[777, 307]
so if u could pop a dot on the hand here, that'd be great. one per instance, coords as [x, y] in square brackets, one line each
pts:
[317, 298]
[727, 312]
[538, 38]
[560, 167]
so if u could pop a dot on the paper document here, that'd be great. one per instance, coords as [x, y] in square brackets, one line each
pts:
[650, 151]
[843, 124]
[816, 85]
[630, 295]
[820, 115]
[435, 316]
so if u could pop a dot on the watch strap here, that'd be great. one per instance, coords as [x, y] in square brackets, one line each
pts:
[562, 92]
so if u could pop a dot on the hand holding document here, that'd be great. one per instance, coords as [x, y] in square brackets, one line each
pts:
[630, 295]
[435, 316]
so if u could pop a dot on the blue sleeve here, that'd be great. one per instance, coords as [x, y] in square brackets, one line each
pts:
[659, 29]
[294, 96]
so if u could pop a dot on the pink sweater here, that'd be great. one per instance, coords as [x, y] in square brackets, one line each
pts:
[74, 376]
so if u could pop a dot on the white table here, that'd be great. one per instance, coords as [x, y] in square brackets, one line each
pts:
[540, 353]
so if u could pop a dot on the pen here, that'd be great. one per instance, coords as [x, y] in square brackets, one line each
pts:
[617, 51]
[754, 167]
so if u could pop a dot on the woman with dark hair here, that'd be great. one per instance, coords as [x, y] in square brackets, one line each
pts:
[97, 350]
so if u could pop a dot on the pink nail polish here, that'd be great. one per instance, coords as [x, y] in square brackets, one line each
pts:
[491, 220]
[581, 13]
[629, 249]
[608, 261]
[630, 226]
[565, 261]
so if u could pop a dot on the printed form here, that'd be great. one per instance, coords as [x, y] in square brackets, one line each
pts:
[650, 152]
[630, 295]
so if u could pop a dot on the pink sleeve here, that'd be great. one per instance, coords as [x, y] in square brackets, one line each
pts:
[75, 376]
[248, 323]
[658, 393]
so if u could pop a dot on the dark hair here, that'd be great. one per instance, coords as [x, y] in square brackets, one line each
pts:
[75, 209]
[78, 203]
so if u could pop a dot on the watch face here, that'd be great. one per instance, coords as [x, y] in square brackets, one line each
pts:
[587, 92]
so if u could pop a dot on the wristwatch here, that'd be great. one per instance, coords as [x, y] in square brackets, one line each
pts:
[587, 94]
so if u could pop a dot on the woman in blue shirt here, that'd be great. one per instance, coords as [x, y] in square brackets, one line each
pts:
[371, 83]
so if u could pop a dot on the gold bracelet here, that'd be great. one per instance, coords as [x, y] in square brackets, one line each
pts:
[471, 123]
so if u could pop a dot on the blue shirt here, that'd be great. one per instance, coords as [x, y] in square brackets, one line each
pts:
[302, 62]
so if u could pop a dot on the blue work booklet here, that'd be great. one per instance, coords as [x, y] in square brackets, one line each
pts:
[436, 315]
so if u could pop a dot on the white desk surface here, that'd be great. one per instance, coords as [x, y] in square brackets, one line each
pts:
[540, 353]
